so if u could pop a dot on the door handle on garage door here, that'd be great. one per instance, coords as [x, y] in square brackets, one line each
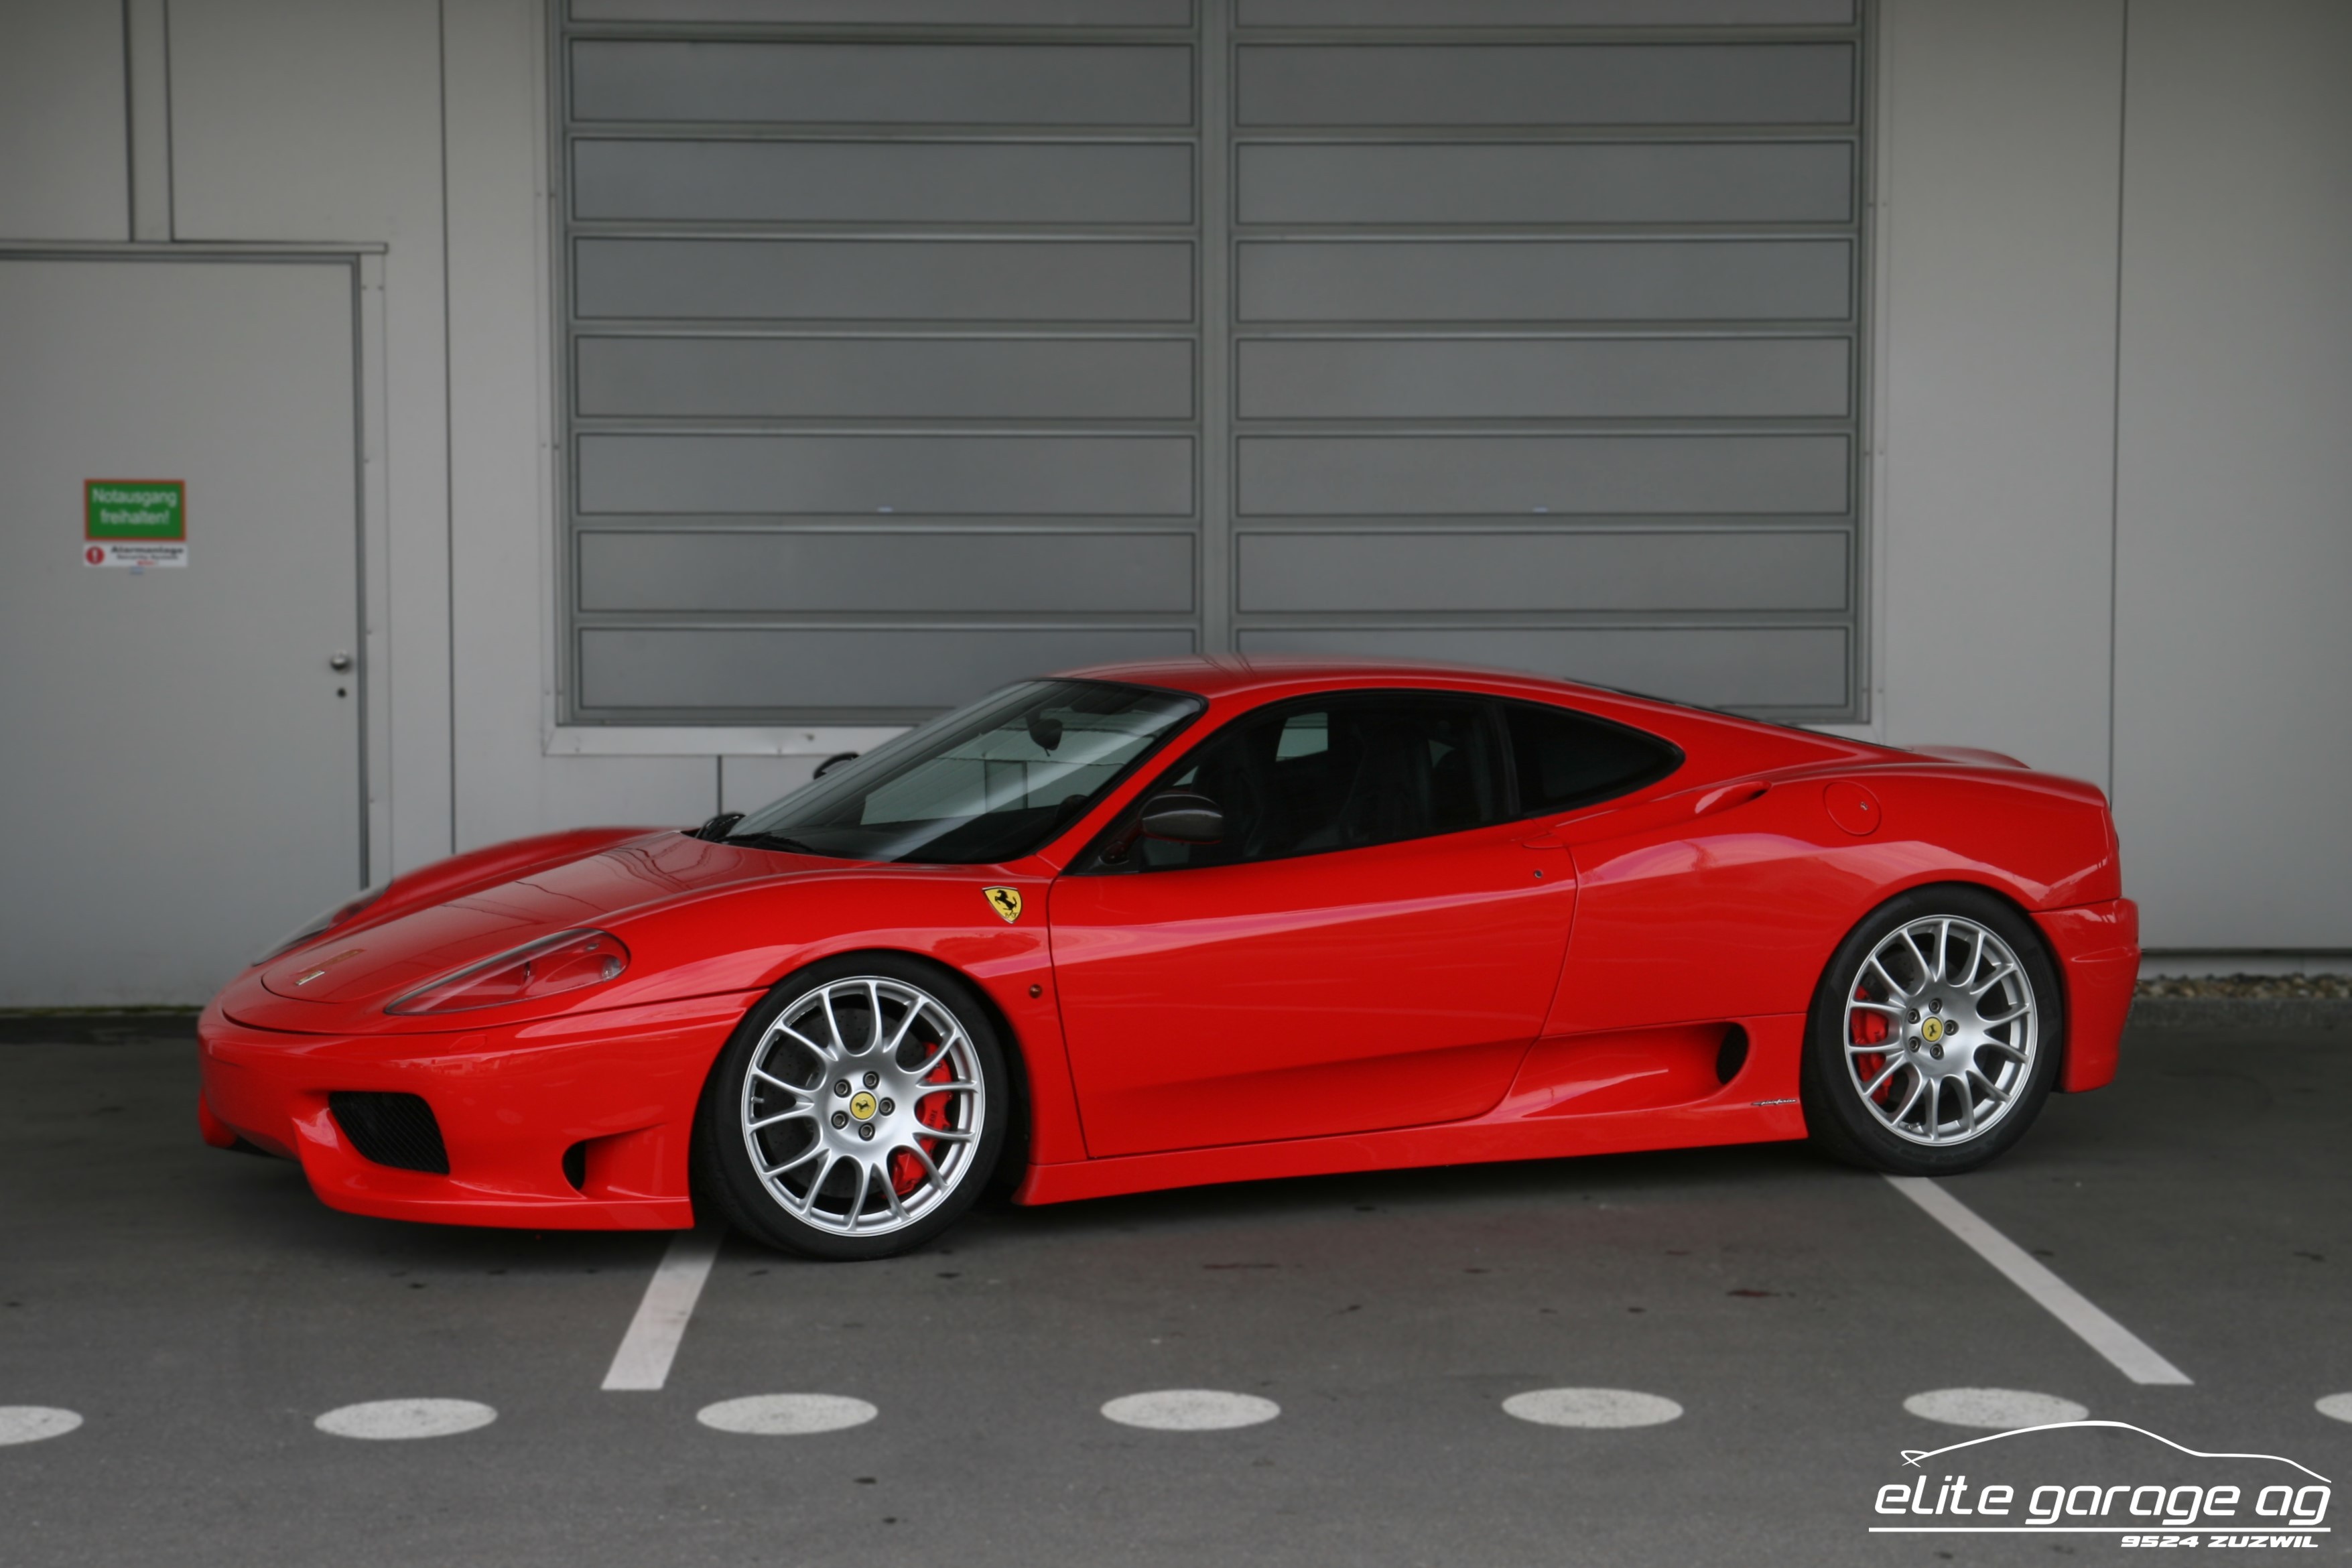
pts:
[339, 661]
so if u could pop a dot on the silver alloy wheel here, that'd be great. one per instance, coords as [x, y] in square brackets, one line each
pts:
[863, 1105]
[1941, 1030]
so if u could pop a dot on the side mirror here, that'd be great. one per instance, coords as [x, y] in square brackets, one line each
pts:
[1180, 816]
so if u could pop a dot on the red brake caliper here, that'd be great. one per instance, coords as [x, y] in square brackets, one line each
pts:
[1869, 1029]
[932, 1110]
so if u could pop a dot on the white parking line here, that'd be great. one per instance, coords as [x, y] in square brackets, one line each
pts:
[647, 1349]
[1191, 1410]
[1602, 1407]
[33, 1423]
[2131, 1355]
[786, 1414]
[1994, 1409]
[381, 1419]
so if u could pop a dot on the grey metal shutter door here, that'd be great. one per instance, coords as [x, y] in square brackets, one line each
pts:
[1531, 338]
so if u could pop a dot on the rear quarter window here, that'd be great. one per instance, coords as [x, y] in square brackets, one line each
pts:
[1562, 759]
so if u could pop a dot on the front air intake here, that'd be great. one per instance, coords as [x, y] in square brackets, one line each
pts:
[395, 1130]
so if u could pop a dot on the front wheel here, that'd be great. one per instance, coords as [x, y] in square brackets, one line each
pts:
[857, 1111]
[1934, 1037]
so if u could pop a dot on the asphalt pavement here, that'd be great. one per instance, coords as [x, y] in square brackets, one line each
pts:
[199, 1312]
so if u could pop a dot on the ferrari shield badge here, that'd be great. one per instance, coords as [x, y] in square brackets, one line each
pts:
[1005, 901]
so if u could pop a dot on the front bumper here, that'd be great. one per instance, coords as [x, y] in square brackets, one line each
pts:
[513, 1101]
[2098, 964]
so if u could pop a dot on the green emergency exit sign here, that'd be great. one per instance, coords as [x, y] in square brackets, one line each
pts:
[135, 509]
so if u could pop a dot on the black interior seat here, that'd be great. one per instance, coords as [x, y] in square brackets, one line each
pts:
[1389, 797]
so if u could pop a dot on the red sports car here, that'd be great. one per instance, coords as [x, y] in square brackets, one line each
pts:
[1200, 921]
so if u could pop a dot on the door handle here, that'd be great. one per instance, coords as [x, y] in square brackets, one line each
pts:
[1667, 811]
[1729, 797]
[339, 661]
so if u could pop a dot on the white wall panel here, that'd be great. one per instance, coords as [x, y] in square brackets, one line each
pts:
[2233, 709]
[502, 564]
[65, 169]
[2003, 124]
[747, 783]
[321, 120]
[642, 791]
[2001, 136]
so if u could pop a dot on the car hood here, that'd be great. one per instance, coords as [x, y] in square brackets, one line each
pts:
[608, 889]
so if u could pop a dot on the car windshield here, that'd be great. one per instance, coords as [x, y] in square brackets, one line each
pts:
[988, 783]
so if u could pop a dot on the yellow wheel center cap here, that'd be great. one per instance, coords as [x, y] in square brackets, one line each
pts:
[861, 1106]
[1931, 1031]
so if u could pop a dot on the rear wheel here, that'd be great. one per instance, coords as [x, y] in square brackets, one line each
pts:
[1934, 1037]
[857, 1111]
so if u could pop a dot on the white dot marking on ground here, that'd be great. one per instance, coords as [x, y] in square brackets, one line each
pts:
[2338, 1405]
[1597, 1408]
[31, 1423]
[385, 1420]
[786, 1414]
[1191, 1410]
[1994, 1409]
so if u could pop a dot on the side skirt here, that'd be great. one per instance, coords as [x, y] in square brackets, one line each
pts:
[1758, 1106]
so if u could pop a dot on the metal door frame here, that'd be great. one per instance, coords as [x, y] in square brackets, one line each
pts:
[369, 557]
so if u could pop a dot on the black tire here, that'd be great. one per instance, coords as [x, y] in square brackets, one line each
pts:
[1939, 1047]
[943, 1134]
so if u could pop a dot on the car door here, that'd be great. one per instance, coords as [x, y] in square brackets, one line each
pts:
[1373, 944]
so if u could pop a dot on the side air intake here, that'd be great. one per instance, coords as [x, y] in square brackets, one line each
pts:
[395, 1130]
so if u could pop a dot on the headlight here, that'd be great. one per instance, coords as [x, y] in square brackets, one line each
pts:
[324, 922]
[564, 962]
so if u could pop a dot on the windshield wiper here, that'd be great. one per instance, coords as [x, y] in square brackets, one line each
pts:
[776, 841]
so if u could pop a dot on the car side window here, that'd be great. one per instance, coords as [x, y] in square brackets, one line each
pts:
[1562, 759]
[1339, 773]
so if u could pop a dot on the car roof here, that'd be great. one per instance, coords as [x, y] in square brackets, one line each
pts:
[1225, 675]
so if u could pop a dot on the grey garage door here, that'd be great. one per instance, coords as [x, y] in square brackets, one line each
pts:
[913, 345]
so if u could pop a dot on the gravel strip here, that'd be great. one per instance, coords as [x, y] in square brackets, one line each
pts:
[2243, 1002]
[2263, 987]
